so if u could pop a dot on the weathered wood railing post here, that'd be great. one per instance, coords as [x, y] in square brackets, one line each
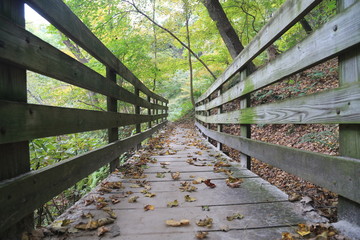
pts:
[349, 71]
[166, 110]
[157, 111]
[149, 112]
[113, 133]
[14, 157]
[219, 126]
[245, 160]
[137, 111]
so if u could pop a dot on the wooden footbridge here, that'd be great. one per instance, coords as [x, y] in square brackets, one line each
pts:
[231, 202]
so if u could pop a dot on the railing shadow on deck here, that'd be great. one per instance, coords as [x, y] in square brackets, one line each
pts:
[22, 190]
[339, 37]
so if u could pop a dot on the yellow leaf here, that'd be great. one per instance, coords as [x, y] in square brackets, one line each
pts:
[207, 222]
[174, 203]
[133, 199]
[201, 235]
[174, 223]
[189, 199]
[149, 207]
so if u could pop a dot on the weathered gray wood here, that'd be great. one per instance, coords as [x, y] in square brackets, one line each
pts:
[20, 121]
[321, 45]
[113, 134]
[54, 63]
[23, 194]
[137, 111]
[341, 105]
[245, 129]
[338, 174]
[349, 135]
[14, 157]
[57, 13]
[283, 19]
[149, 111]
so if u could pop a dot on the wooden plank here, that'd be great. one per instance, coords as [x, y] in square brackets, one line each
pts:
[20, 121]
[289, 13]
[338, 174]
[29, 191]
[321, 45]
[58, 14]
[340, 105]
[14, 157]
[113, 133]
[22, 47]
[349, 135]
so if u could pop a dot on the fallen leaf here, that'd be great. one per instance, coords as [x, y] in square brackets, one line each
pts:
[100, 205]
[115, 200]
[109, 211]
[102, 230]
[198, 180]
[189, 199]
[233, 182]
[206, 222]
[88, 201]
[286, 236]
[87, 215]
[235, 216]
[303, 229]
[174, 203]
[186, 186]
[224, 228]
[135, 186]
[160, 175]
[201, 235]
[191, 176]
[174, 223]
[150, 195]
[293, 197]
[175, 176]
[149, 207]
[164, 163]
[105, 221]
[205, 208]
[133, 199]
[209, 184]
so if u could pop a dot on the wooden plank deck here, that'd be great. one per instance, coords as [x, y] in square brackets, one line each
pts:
[266, 211]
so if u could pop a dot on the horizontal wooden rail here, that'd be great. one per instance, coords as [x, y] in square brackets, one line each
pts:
[21, 47]
[340, 105]
[339, 34]
[291, 12]
[58, 14]
[21, 121]
[23, 194]
[338, 174]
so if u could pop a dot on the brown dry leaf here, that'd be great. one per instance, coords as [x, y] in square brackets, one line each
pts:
[105, 221]
[112, 185]
[100, 205]
[233, 182]
[115, 200]
[109, 211]
[160, 175]
[201, 235]
[87, 215]
[189, 199]
[149, 207]
[209, 183]
[186, 186]
[207, 222]
[102, 230]
[286, 236]
[235, 216]
[133, 199]
[164, 163]
[150, 195]
[175, 176]
[222, 164]
[88, 201]
[293, 197]
[303, 229]
[174, 203]
[174, 223]
[104, 190]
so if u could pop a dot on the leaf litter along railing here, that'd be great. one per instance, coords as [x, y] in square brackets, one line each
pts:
[22, 191]
[339, 37]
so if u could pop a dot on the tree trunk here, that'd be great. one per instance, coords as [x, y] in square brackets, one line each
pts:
[187, 15]
[155, 47]
[227, 32]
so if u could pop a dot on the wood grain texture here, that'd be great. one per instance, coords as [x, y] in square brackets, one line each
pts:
[23, 194]
[21, 48]
[341, 105]
[283, 19]
[338, 174]
[20, 121]
[321, 45]
[58, 14]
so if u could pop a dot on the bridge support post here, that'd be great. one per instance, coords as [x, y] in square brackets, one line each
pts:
[219, 126]
[349, 71]
[245, 160]
[149, 112]
[113, 133]
[14, 157]
[137, 111]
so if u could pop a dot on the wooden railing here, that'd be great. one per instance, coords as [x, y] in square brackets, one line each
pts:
[338, 37]
[22, 190]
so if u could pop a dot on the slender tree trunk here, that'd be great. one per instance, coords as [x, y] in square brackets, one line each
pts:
[226, 31]
[155, 46]
[174, 36]
[187, 15]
